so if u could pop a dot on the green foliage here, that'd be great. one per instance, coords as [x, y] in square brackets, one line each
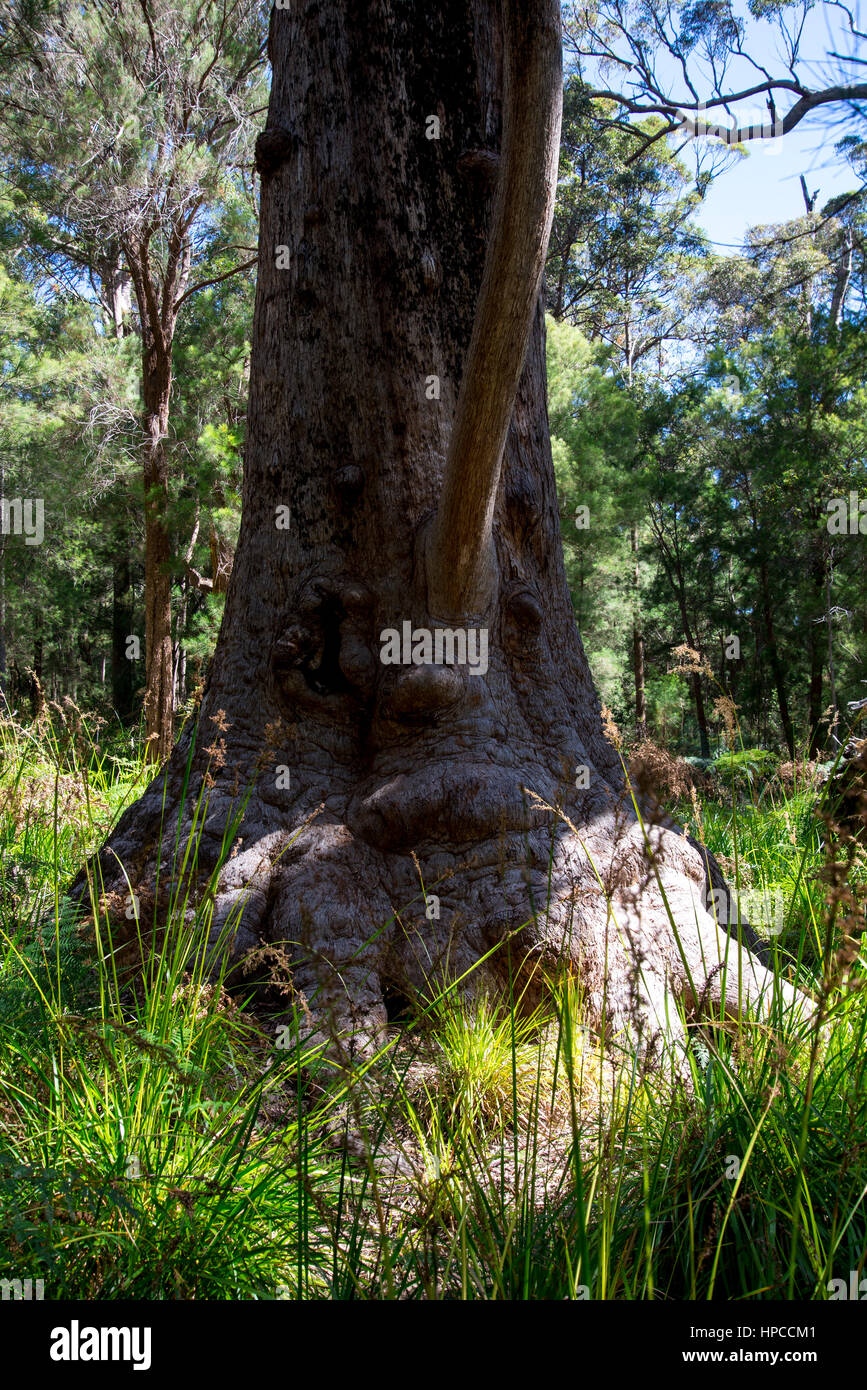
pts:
[148, 240]
[35, 967]
[594, 442]
[487, 1059]
[155, 1144]
[744, 766]
[133, 1160]
[623, 243]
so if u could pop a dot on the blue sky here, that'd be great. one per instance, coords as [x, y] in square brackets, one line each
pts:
[764, 186]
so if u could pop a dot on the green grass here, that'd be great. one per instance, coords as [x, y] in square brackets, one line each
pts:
[156, 1143]
[771, 850]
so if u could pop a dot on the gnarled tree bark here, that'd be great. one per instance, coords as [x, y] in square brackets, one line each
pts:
[405, 261]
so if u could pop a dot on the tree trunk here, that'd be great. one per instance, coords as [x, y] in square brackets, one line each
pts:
[37, 694]
[638, 643]
[672, 563]
[832, 678]
[115, 291]
[179, 655]
[700, 714]
[158, 708]
[122, 669]
[695, 678]
[842, 279]
[777, 668]
[817, 655]
[4, 684]
[156, 392]
[815, 692]
[222, 558]
[428, 848]
[4, 701]
[158, 309]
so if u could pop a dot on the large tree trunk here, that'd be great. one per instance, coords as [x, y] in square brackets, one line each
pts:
[419, 773]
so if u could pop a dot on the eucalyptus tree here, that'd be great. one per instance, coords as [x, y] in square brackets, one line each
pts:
[624, 249]
[129, 127]
[399, 689]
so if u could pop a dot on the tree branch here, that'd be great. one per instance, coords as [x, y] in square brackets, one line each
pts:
[807, 103]
[460, 562]
[215, 280]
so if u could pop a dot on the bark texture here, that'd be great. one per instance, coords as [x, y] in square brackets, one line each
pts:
[412, 773]
[159, 290]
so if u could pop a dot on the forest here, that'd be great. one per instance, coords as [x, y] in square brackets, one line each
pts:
[522, 961]
[707, 414]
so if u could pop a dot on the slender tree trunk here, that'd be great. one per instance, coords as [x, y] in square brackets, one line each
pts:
[671, 559]
[776, 663]
[558, 305]
[158, 579]
[401, 822]
[116, 292]
[179, 679]
[832, 679]
[181, 684]
[3, 671]
[638, 642]
[770, 634]
[695, 679]
[122, 667]
[156, 391]
[814, 697]
[817, 655]
[842, 279]
[222, 554]
[158, 308]
[37, 697]
[700, 714]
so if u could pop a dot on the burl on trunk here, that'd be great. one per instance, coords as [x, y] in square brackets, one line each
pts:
[398, 472]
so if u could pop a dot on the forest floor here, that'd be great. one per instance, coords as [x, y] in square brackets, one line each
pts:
[168, 1142]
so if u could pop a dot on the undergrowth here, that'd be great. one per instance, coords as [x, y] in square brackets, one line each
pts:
[167, 1141]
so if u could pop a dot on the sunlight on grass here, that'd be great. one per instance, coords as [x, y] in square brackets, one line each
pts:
[155, 1143]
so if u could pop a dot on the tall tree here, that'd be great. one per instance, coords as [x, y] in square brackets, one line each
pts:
[698, 66]
[126, 124]
[623, 247]
[397, 415]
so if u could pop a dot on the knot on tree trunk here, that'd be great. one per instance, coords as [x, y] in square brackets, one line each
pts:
[274, 147]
